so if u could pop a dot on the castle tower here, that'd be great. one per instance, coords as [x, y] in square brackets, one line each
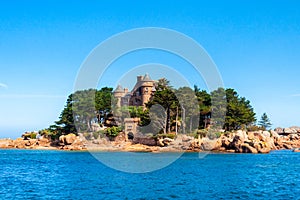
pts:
[142, 91]
[147, 87]
[118, 94]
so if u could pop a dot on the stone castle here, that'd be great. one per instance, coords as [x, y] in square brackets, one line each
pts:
[140, 94]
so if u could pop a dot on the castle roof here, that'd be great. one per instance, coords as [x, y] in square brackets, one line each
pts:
[119, 89]
[147, 77]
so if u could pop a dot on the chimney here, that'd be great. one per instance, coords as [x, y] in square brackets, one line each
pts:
[125, 90]
[139, 78]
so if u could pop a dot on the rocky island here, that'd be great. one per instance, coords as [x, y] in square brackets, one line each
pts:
[231, 142]
[155, 117]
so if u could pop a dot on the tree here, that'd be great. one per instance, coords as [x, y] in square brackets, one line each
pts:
[82, 108]
[239, 111]
[164, 96]
[265, 121]
[188, 104]
[103, 100]
[204, 102]
[65, 124]
[219, 108]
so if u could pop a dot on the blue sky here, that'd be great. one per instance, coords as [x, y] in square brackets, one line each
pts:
[255, 45]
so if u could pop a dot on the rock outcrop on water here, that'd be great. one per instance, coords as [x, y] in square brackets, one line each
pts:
[232, 142]
[259, 141]
[65, 142]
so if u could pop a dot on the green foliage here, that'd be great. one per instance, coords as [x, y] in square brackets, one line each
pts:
[113, 131]
[204, 102]
[239, 111]
[265, 122]
[202, 132]
[98, 134]
[171, 136]
[192, 108]
[139, 112]
[82, 108]
[214, 134]
[219, 108]
[188, 103]
[218, 134]
[44, 132]
[254, 128]
[87, 136]
[164, 96]
[33, 135]
[29, 135]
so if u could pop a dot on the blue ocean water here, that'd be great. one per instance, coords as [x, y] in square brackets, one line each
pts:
[31, 174]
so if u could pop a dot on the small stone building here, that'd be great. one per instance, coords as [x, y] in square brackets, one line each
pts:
[131, 125]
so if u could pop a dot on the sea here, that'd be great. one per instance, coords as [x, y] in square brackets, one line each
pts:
[38, 174]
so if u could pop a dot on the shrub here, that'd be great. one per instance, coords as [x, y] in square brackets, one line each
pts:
[87, 136]
[194, 135]
[98, 134]
[33, 135]
[218, 134]
[202, 132]
[213, 134]
[45, 132]
[255, 128]
[113, 131]
[171, 136]
[53, 136]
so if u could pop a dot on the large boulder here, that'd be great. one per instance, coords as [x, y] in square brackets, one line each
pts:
[287, 146]
[266, 134]
[44, 142]
[225, 141]
[242, 135]
[263, 147]
[218, 145]
[19, 143]
[120, 138]
[259, 136]
[144, 140]
[167, 141]
[274, 134]
[207, 144]
[296, 150]
[186, 138]
[6, 143]
[289, 131]
[236, 143]
[62, 139]
[279, 130]
[264, 150]
[160, 142]
[70, 138]
[251, 135]
[67, 139]
[246, 148]
[294, 136]
[195, 145]
[296, 128]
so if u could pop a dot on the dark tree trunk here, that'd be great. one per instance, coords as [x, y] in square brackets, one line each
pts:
[168, 120]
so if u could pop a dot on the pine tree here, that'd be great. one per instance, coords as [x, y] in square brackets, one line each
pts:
[265, 121]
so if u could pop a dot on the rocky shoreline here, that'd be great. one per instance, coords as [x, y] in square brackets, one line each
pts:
[229, 142]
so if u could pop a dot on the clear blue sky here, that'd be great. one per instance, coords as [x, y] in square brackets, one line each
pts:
[255, 45]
